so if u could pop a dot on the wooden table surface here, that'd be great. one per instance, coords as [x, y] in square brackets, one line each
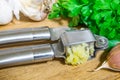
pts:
[56, 69]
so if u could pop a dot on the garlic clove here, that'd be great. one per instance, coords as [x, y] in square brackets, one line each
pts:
[40, 16]
[15, 6]
[35, 9]
[6, 14]
[30, 10]
[113, 60]
[114, 57]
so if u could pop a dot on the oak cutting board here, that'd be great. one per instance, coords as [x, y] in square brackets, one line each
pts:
[56, 69]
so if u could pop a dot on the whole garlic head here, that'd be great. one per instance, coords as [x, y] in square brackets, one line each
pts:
[33, 9]
[6, 14]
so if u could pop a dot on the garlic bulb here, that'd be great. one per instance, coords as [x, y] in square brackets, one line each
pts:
[6, 14]
[113, 60]
[33, 9]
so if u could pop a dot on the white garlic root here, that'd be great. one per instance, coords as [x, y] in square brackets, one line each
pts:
[33, 9]
[6, 14]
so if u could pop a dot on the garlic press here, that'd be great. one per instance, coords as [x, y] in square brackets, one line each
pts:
[44, 52]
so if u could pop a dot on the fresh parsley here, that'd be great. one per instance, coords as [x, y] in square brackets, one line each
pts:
[101, 16]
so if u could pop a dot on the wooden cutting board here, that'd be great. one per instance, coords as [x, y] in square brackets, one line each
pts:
[56, 69]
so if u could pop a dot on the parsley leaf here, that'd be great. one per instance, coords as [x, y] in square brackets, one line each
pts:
[101, 16]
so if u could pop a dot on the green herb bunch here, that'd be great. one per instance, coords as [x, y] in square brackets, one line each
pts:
[102, 17]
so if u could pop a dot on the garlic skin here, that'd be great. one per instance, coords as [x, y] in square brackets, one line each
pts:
[106, 65]
[113, 60]
[114, 57]
[15, 6]
[36, 10]
[6, 14]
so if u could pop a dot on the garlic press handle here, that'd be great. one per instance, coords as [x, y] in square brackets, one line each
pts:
[24, 34]
[24, 55]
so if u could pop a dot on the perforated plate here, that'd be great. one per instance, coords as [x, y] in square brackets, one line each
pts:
[77, 37]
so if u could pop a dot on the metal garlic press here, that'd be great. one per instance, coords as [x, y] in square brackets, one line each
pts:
[44, 52]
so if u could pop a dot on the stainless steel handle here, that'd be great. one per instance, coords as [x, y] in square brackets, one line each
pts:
[25, 34]
[25, 55]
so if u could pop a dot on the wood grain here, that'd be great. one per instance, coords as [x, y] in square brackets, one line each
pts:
[56, 69]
